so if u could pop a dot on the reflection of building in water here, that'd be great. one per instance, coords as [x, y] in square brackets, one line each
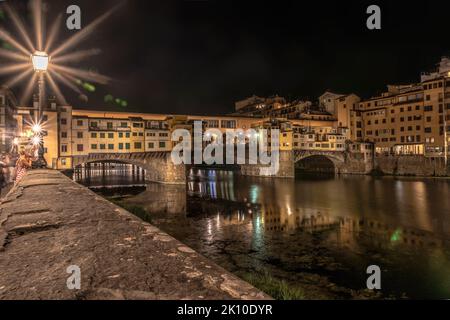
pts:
[274, 208]
[345, 231]
[214, 184]
[380, 233]
[284, 218]
[237, 217]
[160, 198]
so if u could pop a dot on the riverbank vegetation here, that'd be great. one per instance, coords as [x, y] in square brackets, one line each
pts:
[277, 289]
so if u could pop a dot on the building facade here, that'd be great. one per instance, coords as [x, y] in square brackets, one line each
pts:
[69, 133]
[408, 119]
[405, 120]
[8, 125]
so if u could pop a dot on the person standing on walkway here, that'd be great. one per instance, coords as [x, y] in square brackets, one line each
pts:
[22, 165]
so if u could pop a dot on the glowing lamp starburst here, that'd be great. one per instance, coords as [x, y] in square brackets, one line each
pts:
[40, 61]
[37, 128]
[36, 140]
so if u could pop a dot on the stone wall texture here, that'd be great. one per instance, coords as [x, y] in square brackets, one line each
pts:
[286, 167]
[412, 166]
[356, 163]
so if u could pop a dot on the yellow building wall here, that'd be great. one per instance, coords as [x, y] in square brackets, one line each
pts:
[51, 140]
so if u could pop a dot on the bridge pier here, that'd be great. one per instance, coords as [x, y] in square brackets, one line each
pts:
[163, 170]
[286, 167]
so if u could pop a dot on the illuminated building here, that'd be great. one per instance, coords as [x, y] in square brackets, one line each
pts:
[7, 123]
[407, 119]
[404, 120]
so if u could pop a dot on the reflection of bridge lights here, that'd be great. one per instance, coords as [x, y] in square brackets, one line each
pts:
[254, 193]
[211, 173]
[258, 228]
[209, 227]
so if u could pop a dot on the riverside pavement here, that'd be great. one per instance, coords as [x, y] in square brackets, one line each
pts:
[49, 223]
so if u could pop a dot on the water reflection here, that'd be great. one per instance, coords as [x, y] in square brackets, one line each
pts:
[421, 204]
[319, 234]
[109, 175]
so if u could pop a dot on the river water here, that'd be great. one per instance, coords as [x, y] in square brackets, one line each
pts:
[318, 234]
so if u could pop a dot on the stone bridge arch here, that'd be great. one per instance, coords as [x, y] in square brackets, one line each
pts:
[158, 166]
[336, 159]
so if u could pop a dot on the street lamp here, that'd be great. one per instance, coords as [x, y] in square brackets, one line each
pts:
[40, 61]
[37, 129]
[36, 140]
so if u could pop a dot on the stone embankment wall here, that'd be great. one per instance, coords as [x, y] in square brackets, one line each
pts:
[48, 223]
[411, 166]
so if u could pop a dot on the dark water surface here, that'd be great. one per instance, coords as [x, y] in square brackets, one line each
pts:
[316, 234]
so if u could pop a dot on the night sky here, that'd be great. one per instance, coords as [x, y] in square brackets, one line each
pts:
[199, 57]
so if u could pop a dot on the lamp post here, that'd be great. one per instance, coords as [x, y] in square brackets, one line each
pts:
[40, 61]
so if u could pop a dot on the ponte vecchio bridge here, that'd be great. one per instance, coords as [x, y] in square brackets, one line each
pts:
[159, 166]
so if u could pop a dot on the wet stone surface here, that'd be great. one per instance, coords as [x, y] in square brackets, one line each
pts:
[48, 223]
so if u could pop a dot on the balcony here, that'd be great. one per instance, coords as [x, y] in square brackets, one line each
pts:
[408, 101]
[110, 128]
[157, 127]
